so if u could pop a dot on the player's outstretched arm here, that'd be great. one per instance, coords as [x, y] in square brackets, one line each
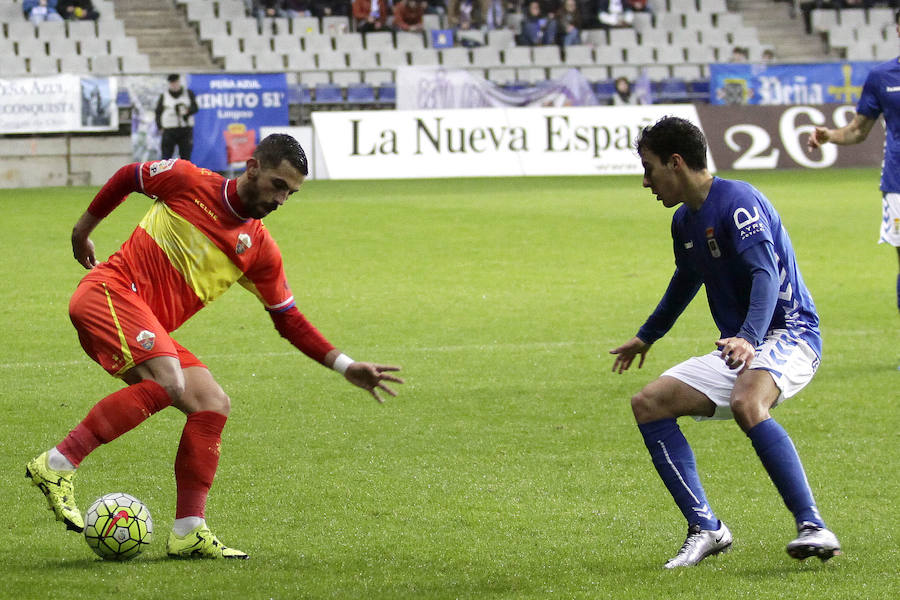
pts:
[82, 246]
[626, 352]
[854, 132]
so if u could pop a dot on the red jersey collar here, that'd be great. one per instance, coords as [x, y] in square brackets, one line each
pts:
[232, 200]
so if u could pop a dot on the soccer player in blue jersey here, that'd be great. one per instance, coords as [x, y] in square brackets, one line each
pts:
[728, 238]
[880, 95]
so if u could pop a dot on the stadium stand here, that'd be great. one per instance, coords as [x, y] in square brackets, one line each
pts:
[672, 45]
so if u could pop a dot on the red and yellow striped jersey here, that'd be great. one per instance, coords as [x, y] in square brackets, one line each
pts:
[192, 245]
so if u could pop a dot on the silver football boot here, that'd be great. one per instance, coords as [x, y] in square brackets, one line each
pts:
[814, 541]
[699, 544]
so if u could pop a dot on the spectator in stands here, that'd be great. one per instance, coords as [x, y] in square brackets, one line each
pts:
[569, 23]
[615, 13]
[330, 8]
[537, 28]
[175, 119]
[464, 15]
[639, 5]
[38, 11]
[494, 13]
[77, 10]
[371, 15]
[268, 8]
[624, 94]
[408, 15]
[739, 54]
[296, 8]
[768, 55]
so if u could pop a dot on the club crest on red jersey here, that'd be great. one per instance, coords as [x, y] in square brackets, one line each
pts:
[243, 243]
[146, 339]
[161, 166]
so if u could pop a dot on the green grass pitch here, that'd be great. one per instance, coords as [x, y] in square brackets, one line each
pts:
[509, 466]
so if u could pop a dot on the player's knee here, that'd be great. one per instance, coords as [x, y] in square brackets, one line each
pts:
[643, 406]
[214, 399]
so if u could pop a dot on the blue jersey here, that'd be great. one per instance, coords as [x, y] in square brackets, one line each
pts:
[733, 238]
[881, 95]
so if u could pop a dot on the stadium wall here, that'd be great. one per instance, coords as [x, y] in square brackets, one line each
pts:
[41, 161]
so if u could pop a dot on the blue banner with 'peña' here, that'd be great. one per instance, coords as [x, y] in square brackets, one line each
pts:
[787, 84]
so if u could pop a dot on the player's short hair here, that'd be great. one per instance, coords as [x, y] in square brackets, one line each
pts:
[897, 17]
[277, 147]
[674, 135]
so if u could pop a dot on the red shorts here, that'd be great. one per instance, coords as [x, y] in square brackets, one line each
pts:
[118, 330]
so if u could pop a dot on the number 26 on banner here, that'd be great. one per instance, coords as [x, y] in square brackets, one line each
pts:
[761, 153]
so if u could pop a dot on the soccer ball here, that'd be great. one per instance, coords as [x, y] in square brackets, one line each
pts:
[117, 526]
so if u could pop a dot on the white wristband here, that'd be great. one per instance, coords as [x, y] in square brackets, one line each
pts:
[341, 363]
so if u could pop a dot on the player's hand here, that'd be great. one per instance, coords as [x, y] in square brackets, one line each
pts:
[737, 353]
[83, 249]
[371, 377]
[82, 246]
[818, 137]
[626, 352]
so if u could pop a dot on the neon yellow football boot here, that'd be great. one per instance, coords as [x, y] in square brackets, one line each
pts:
[58, 489]
[200, 543]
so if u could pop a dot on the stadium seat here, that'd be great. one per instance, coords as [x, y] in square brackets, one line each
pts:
[698, 90]
[377, 77]
[81, 29]
[345, 78]
[379, 40]
[328, 93]
[500, 38]
[303, 25]
[348, 42]
[335, 24]
[360, 93]
[271, 62]
[387, 92]
[604, 90]
[671, 90]
[455, 57]
[429, 57]
[407, 40]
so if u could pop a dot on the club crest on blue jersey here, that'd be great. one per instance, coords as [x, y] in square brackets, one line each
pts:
[146, 339]
[712, 243]
[243, 243]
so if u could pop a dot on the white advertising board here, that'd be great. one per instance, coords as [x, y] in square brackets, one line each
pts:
[58, 104]
[486, 142]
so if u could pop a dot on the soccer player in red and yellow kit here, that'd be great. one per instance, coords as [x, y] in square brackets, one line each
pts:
[202, 234]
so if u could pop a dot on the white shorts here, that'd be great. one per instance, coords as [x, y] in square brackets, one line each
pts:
[890, 220]
[789, 360]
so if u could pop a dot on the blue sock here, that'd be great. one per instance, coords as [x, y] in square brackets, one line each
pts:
[898, 290]
[674, 461]
[780, 458]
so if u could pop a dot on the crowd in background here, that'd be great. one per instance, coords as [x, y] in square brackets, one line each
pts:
[38, 11]
[536, 22]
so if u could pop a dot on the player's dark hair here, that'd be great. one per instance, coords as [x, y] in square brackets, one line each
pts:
[277, 147]
[897, 18]
[674, 135]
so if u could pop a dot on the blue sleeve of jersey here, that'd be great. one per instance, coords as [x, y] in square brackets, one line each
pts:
[760, 259]
[682, 289]
[869, 105]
